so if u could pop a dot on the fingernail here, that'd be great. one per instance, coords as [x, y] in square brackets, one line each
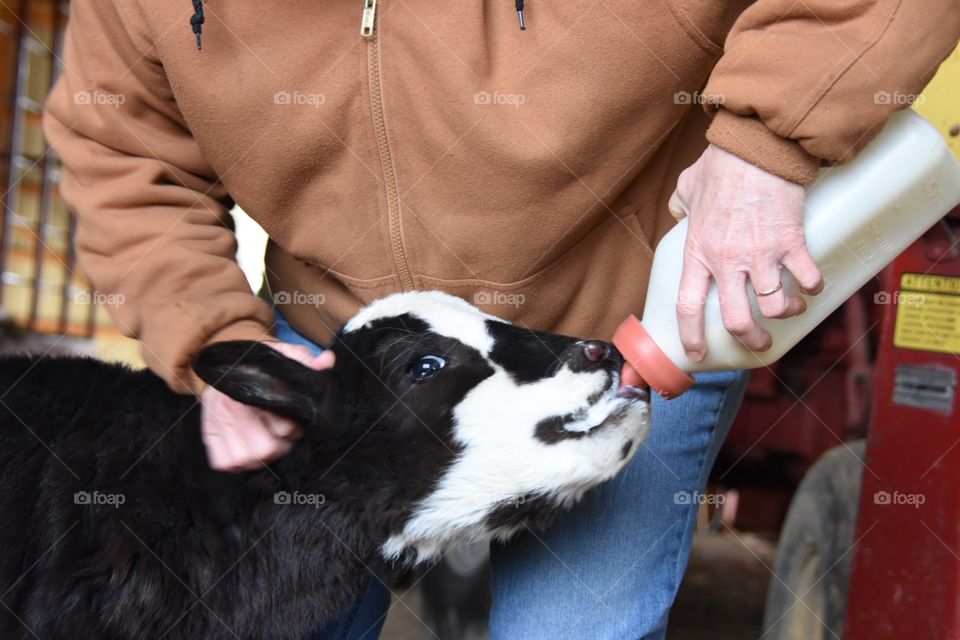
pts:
[323, 360]
[695, 356]
[283, 431]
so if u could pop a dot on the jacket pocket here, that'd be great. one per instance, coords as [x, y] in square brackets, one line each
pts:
[585, 292]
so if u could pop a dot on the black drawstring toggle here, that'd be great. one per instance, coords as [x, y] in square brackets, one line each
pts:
[196, 20]
[523, 25]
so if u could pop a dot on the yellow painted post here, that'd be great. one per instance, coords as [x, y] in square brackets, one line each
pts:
[940, 101]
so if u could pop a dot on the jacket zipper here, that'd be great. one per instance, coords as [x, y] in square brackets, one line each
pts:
[369, 20]
[368, 26]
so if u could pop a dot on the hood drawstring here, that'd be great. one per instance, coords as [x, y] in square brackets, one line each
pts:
[196, 20]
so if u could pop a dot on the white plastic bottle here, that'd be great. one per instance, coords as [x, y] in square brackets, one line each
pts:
[859, 217]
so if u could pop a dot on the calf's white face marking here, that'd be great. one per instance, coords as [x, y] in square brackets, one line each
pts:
[546, 431]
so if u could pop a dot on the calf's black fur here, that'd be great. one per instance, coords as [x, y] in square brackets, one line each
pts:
[190, 552]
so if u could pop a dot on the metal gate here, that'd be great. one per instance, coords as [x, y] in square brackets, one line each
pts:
[40, 289]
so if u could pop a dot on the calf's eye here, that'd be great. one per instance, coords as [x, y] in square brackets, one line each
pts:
[426, 368]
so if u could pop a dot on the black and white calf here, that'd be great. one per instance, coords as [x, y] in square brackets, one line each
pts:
[438, 424]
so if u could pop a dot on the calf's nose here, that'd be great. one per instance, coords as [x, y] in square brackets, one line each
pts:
[595, 351]
[592, 355]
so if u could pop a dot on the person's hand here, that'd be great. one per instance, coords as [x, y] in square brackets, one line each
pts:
[744, 224]
[239, 437]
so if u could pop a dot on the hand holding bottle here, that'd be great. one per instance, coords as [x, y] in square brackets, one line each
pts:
[745, 225]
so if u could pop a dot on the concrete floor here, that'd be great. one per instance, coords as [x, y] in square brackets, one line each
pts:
[724, 589]
[721, 597]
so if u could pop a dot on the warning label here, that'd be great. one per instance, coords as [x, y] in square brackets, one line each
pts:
[928, 313]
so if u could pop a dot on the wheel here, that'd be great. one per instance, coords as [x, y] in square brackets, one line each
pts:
[807, 598]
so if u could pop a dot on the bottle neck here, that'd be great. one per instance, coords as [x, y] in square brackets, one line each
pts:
[650, 362]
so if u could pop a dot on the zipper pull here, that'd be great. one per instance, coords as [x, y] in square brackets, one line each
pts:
[368, 21]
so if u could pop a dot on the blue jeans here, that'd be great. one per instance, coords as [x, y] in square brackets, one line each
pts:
[610, 568]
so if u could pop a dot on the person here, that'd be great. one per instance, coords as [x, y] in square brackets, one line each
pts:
[529, 171]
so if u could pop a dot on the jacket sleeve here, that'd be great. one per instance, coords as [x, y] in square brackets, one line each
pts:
[152, 221]
[801, 83]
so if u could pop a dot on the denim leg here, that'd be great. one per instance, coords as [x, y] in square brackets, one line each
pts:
[283, 332]
[610, 568]
[363, 619]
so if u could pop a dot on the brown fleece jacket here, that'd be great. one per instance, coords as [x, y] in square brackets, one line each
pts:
[525, 171]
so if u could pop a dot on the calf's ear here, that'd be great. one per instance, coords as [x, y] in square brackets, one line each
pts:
[258, 375]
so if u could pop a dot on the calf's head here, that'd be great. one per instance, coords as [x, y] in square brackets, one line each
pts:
[498, 426]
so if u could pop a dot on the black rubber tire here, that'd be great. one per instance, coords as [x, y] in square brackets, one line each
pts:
[807, 598]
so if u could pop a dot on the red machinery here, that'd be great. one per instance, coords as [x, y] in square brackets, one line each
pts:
[870, 547]
[906, 571]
